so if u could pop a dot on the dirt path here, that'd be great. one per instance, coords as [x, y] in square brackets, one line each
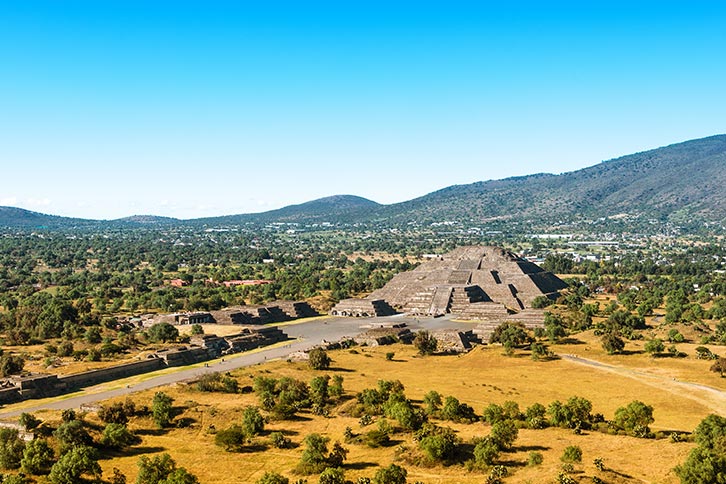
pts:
[709, 397]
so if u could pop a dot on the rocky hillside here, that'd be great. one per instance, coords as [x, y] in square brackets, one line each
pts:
[675, 182]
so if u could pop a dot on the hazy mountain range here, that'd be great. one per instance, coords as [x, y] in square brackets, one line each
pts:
[680, 182]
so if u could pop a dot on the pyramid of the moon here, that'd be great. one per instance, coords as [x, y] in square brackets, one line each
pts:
[480, 282]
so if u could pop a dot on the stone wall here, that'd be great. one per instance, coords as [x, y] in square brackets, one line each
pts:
[16, 389]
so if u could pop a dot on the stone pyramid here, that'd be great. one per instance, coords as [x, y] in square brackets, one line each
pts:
[479, 282]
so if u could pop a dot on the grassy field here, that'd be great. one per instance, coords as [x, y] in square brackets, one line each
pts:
[481, 377]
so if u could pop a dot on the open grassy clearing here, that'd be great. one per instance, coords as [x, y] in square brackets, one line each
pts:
[481, 377]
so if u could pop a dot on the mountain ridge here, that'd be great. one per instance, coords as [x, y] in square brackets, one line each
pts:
[671, 183]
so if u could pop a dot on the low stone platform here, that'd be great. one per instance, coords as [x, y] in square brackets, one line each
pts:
[362, 308]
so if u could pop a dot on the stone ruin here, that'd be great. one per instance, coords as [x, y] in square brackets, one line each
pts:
[479, 282]
[363, 308]
[278, 312]
[203, 347]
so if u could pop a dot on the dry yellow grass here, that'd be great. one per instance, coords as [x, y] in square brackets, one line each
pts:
[478, 378]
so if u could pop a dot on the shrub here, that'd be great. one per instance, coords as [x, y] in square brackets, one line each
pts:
[439, 443]
[231, 439]
[217, 382]
[535, 458]
[272, 478]
[504, 433]
[279, 440]
[572, 453]
[319, 359]
[114, 413]
[118, 436]
[28, 421]
[162, 470]
[392, 474]
[485, 452]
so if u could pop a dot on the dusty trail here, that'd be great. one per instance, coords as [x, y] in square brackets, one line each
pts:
[710, 397]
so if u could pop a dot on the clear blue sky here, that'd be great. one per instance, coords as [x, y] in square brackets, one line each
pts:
[188, 109]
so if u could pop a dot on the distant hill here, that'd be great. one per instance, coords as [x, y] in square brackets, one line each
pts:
[684, 182]
[676, 182]
[146, 220]
[21, 218]
[337, 208]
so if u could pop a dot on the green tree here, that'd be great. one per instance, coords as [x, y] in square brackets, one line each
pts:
[425, 343]
[156, 469]
[314, 457]
[11, 365]
[332, 475]
[252, 421]
[654, 346]
[486, 452]
[162, 409]
[635, 418]
[612, 343]
[393, 474]
[11, 448]
[510, 335]
[38, 457]
[162, 333]
[439, 443]
[493, 413]
[28, 421]
[319, 390]
[118, 436]
[432, 401]
[706, 463]
[72, 434]
[703, 466]
[180, 476]
[272, 478]
[535, 416]
[93, 335]
[504, 433]
[336, 388]
[319, 359]
[231, 439]
[711, 432]
[77, 462]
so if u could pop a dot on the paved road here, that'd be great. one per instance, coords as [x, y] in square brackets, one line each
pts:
[305, 335]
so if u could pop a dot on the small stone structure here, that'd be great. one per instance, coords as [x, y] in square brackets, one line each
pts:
[363, 308]
[531, 318]
[453, 341]
[384, 336]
